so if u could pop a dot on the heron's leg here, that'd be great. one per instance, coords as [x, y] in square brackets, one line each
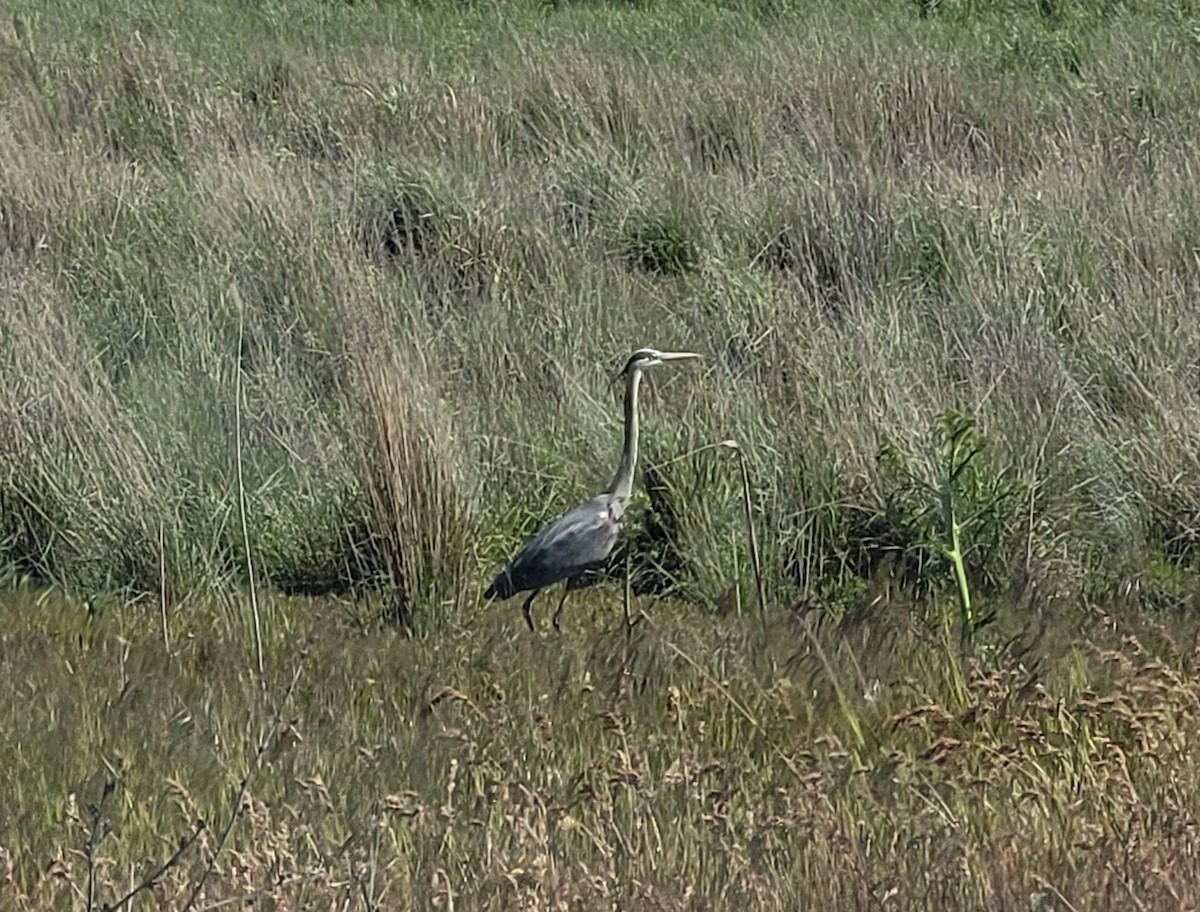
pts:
[572, 583]
[525, 609]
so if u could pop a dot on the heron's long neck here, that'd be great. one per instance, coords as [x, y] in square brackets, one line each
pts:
[622, 483]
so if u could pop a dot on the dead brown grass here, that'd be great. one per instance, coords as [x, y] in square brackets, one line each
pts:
[692, 766]
[421, 521]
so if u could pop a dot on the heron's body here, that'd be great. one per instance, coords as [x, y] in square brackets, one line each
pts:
[567, 548]
[584, 538]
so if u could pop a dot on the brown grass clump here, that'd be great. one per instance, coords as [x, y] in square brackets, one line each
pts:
[419, 514]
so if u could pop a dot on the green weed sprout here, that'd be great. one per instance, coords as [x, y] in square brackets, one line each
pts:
[961, 501]
[959, 437]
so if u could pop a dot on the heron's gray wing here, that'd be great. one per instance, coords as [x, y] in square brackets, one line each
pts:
[576, 541]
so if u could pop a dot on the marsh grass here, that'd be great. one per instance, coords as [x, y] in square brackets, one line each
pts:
[866, 223]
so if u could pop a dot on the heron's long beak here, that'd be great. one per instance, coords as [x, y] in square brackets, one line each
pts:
[662, 358]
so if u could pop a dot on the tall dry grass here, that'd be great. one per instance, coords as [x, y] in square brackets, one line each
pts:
[865, 223]
[418, 512]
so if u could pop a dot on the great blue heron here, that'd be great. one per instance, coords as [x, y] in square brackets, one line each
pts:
[582, 539]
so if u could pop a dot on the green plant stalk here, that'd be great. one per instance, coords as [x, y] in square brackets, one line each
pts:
[955, 555]
[241, 484]
[754, 561]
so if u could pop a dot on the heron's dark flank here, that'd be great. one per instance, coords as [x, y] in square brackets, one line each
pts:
[583, 539]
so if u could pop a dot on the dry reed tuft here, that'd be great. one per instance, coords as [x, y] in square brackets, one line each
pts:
[419, 514]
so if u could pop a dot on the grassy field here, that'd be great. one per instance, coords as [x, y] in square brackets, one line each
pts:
[308, 315]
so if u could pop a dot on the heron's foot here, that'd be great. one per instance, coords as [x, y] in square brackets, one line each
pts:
[557, 616]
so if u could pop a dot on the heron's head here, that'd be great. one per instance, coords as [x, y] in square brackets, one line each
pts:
[645, 358]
